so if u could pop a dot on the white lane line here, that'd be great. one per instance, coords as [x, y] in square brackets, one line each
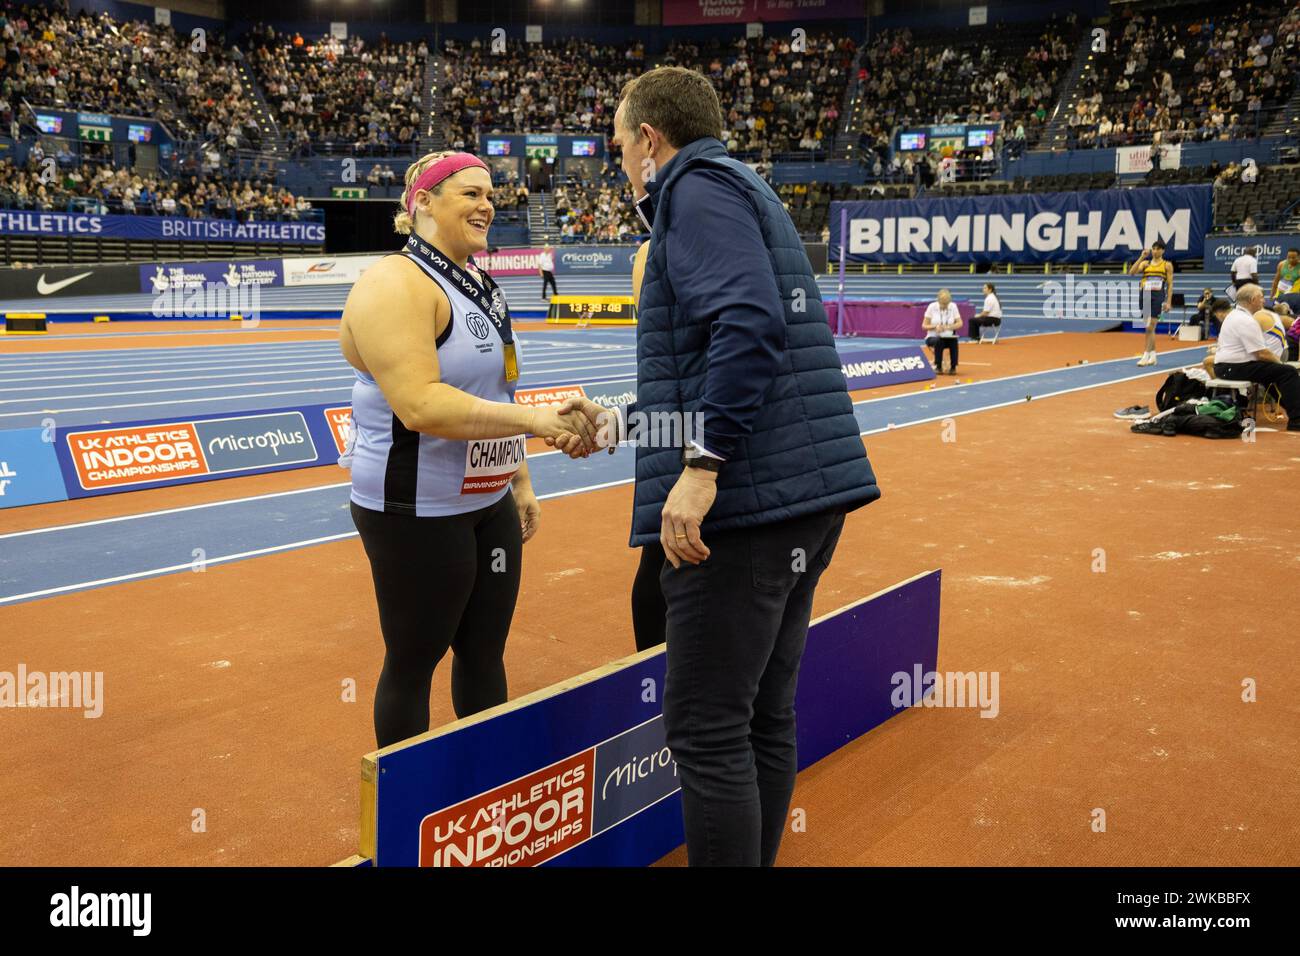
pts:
[188, 388]
[332, 357]
[154, 349]
[1014, 401]
[172, 511]
[227, 558]
[133, 380]
[179, 401]
[59, 337]
[136, 575]
[194, 361]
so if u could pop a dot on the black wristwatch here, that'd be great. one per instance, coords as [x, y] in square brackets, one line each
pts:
[701, 461]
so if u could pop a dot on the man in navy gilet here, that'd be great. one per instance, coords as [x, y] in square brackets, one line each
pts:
[731, 334]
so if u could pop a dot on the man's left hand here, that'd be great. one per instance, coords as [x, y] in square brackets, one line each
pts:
[683, 513]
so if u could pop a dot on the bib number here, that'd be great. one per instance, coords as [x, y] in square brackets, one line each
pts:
[490, 464]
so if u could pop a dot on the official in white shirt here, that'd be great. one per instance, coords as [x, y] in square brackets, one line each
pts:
[990, 314]
[1245, 268]
[1244, 354]
[942, 321]
[546, 269]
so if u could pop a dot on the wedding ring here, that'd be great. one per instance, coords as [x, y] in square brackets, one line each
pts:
[679, 536]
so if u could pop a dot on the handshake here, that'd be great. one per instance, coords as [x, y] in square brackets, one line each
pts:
[577, 427]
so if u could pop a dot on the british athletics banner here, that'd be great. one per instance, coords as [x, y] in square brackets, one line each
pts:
[23, 222]
[1110, 224]
[693, 12]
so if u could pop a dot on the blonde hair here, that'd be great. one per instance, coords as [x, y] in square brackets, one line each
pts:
[404, 222]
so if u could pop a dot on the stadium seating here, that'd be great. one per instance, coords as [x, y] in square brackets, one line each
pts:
[1190, 73]
[1012, 73]
[342, 96]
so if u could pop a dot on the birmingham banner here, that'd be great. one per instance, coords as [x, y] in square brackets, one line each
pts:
[23, 222]
[1099, 224]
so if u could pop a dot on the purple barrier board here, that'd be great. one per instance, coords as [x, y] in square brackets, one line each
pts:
[884, 320]
[872, 368]
[578, 774]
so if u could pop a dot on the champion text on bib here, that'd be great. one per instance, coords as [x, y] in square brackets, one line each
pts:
[490, 463]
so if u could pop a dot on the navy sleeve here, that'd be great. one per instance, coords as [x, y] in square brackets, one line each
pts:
[722, 274]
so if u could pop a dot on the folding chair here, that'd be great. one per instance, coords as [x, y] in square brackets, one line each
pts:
[984, 334]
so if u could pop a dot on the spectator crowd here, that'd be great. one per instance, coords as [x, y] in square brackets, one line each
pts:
[1188, 74]
[342, 95]
[102, 188]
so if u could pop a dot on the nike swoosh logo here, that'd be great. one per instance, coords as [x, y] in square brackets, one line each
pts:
[48, 288]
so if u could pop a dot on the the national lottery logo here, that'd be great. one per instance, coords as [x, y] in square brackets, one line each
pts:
[232, 275]
[477, 325]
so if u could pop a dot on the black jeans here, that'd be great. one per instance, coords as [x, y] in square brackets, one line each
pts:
[1284, 377]
[736, 630]
[649, 613]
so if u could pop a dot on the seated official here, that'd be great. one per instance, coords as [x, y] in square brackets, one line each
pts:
[990, 314]
[1245, 353]
[942, 322]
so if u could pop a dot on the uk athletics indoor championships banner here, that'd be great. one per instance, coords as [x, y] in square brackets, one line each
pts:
[1100, 224]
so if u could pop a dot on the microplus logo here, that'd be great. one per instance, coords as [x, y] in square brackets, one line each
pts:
[274, 440]
[75, 909]
[586, 258]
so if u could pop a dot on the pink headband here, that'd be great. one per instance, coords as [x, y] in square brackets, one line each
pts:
[443, 168]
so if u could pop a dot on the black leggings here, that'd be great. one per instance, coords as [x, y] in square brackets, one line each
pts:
[649, 610]
[548, 279]
[441, 583]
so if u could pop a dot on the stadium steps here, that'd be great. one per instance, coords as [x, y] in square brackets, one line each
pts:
[433, 138]
[183, 125]
[1054, 136]
[846, 139]
[272, 138]
[541, 218]
[1286, 122]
